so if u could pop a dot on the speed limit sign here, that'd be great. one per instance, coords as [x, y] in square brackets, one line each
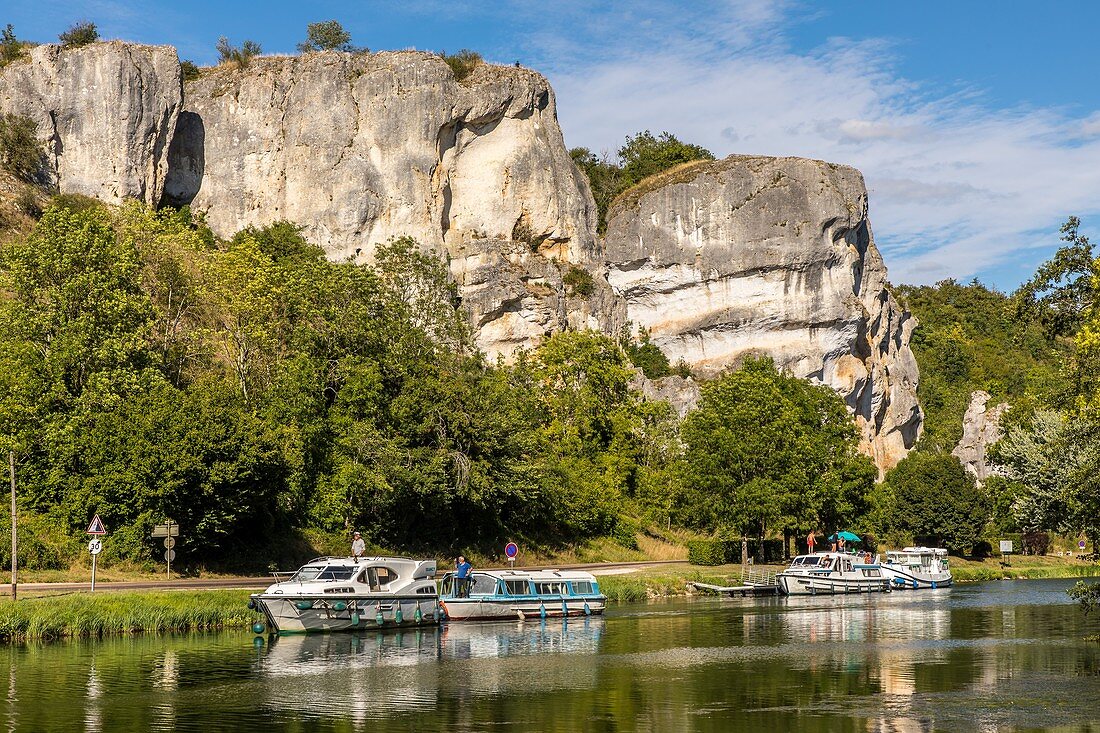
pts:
[95, 546]
[169, 542]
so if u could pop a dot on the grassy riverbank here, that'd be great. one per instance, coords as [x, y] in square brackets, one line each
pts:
[88, 615]
[1022, 567]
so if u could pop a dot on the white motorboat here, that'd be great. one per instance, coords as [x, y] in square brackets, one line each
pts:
[511, 594]
[344, 594]
[917, 567]
[832, 572]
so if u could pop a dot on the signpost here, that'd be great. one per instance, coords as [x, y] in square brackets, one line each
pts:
[95, 546]
[169, 531]
[1006, 550]
[511, 550]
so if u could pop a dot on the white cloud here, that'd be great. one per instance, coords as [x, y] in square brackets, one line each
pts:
[957, 188]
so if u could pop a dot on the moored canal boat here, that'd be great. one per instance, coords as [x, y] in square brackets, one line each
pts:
[824, 573]
[519, 594]
[917, 567]
[345, 594]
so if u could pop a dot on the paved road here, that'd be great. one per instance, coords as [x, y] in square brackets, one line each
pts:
[250, 583]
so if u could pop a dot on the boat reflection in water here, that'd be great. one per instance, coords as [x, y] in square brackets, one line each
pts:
[373, 676]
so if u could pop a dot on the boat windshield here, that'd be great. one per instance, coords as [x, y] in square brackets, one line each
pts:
[336, 572]
[308, 573]
[806, 560]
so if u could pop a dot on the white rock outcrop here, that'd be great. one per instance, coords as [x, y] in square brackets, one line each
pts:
[359, 148]
[106, 113]
[721, 260]
[981, 429]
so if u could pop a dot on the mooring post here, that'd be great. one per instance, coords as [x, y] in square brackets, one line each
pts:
[14, 532]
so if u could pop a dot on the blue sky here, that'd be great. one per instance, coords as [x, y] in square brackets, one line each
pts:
[976, 124]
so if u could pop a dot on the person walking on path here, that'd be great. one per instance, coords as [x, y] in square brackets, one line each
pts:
[358, 547]
[811, 541]
[462, 577]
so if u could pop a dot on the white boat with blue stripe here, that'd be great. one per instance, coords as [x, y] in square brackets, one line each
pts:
[827, 573]
[917, 567]
[520, 594]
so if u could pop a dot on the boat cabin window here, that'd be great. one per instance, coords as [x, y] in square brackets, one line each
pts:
[308, 573]
[377, 576]
[517, 587]
[551, 588]
[486, 584]
[806, 560]
[583, 587]
[447, 586]
[336, 572]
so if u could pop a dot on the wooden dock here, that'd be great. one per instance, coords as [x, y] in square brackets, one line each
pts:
[753, 583]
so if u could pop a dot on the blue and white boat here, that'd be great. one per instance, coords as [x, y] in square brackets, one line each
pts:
[520, 594]
[917, 567]
[824, 573]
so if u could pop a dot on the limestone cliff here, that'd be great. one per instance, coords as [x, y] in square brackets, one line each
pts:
[359, 148]
[981, 429]
[106, 113]
[771, 256]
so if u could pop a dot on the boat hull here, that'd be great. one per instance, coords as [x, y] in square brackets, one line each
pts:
[501, 609]
[813, 585]
[288, 614]
[904, 579]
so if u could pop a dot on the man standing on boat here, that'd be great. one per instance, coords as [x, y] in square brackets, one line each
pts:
[810, 542]
[462, 577]
[358, 547]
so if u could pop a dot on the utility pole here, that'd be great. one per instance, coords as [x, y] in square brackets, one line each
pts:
[14, 533]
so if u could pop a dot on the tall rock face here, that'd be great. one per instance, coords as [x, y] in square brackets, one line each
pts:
[721, 260]
[106, 112]
[981, 429]
[359, 148]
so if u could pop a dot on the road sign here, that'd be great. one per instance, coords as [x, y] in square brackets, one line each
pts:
[166, 530]
[96, 526]
[1080, 544]
[511, 550]
[169, 542]
[169, 555]
[95, 546]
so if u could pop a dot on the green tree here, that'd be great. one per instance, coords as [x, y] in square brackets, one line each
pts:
[230, 54]
[11, 48]
[767, 451]
[644, 155]
[79, 34]
[326, 35]
[605, 178]
[1062, 290]
[21, 153]
[932, 496]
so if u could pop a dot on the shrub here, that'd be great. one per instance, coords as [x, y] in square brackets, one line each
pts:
[463, 63]
[1036, 543]
[74, 202]
[645, 355]
[706, 552]
[190, 70]
[21, 153]
[11, 48]
[27, 202]
[80, 34]
[579, 282]
[230, 54]
[327, 35]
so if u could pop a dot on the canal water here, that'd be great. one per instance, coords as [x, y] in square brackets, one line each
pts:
[1001, 656]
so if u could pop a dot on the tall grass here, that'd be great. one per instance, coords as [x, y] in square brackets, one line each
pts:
[973, 574]
[634, 587]
[111, 614]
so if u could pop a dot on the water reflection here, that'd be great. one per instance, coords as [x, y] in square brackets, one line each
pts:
[1007, 656]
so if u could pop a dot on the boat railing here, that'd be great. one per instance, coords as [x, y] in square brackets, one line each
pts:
[281, 575]
[752, 576]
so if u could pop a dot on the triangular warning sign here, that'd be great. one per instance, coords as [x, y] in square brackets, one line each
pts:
[96, 526]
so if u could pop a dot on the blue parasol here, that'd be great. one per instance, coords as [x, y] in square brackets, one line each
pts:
[846, 536]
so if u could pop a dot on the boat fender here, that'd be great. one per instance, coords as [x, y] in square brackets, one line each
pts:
[542, 610]
[378, 617]
[340, 606]
[914, 583]
[587, 610]
[354, 618]
[303, 605]
[259, 628]
[399, 617]
[251, 604]
[520, 615]
[933, 585]
[564, 609]
[419, 615]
